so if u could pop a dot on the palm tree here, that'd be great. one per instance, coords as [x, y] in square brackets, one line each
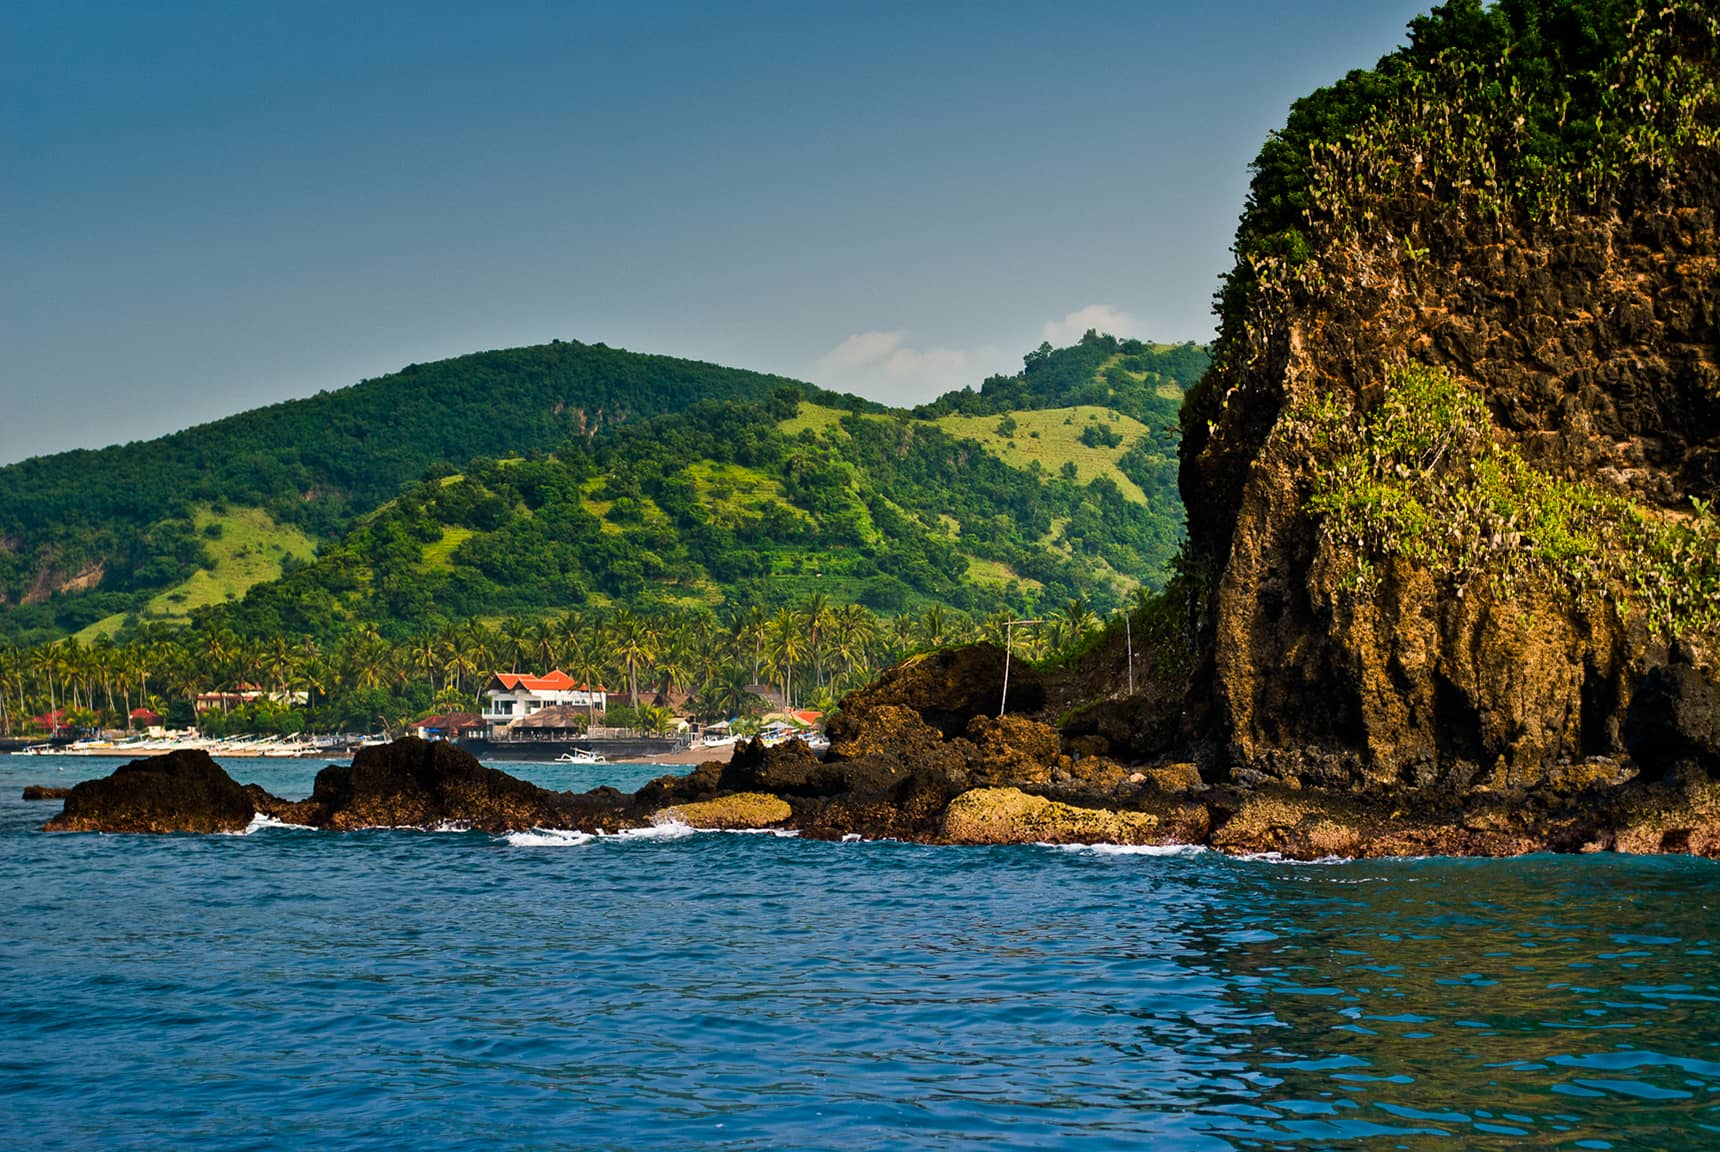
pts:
[785, 646]
[516, 642]
[1074, 622]
[585, 665]
[935, 627]
[816, 612]
[634, 643]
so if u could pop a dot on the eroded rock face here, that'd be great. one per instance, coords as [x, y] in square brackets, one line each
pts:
[1593, 341]
[180, 792]
[1674, 717]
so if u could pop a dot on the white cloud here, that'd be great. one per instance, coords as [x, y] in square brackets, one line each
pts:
[885, 366]
[1104, 317]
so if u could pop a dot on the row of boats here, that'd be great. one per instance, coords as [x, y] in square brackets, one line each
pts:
[268, 747]
[301, 747]
[815, 740]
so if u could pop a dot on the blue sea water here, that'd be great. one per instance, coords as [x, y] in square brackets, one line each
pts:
[297, 989]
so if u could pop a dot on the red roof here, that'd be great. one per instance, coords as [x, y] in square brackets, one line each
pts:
[452, 722]
[556, 681]
[144, 714]
[807, 716]
[52, 719]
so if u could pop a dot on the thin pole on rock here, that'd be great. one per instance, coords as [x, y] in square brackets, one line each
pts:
[1008, 647]
[1129, 640]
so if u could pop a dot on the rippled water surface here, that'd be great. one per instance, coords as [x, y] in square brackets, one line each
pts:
[297, 989]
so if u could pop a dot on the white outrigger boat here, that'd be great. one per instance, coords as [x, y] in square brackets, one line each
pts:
[581, 756]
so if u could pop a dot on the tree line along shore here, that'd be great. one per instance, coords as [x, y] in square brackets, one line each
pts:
[707, 664]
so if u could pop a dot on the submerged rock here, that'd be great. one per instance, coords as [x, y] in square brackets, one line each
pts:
[184, 791]
[44, 792]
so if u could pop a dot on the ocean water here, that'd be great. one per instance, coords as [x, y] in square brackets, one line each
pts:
[296, 989]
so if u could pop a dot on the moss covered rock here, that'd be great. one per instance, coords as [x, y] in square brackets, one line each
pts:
[1011, 816]
[741, 810]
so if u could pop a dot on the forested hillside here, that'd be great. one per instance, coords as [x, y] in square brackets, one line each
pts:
[116, 526]
[568, 476]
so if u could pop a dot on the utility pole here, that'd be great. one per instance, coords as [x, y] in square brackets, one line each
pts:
[1129, 641]
[1008, 647]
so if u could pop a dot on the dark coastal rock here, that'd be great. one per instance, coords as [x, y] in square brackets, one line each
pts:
[786, 768]
[286, 811]
[1129, 727]
[183, 791]
[1674, 716]
[1013, 751]
[44, 792]
[425, 784]
[947, 688]
[701, 783]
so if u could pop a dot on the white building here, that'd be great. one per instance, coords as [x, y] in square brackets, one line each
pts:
[510, 696]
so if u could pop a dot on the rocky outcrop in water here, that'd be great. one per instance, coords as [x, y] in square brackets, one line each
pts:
[178, 792]
[908, 783]
[44, 792]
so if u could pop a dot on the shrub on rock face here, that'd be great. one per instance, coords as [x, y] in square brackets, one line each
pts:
[183, 791]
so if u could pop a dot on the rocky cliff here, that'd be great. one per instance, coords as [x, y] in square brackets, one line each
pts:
[1447, 483]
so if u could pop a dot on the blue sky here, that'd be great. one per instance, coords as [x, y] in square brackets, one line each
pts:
[204, 208]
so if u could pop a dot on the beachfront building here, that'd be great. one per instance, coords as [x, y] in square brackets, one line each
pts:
[510, 697]
[450, 726]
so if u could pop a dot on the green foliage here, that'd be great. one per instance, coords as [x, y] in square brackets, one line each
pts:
[1423, 477]
[748, 490]
[1100, 436]
[1144, 381]
[1518, 112]
[319, 464]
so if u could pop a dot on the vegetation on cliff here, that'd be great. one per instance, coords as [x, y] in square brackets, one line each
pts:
[1425, 477]
[1448, 479]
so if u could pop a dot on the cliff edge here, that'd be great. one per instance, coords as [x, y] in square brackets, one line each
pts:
[1448, 481]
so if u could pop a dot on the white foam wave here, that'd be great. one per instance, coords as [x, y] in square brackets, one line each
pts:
[548, 838]
[1132, 849]
[668, 830]
[260, 821]
[1280, 858]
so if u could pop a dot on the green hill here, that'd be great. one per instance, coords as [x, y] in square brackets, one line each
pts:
[596, 478]
[85, 535]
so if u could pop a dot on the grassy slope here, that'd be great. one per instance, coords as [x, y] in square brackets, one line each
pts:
[746, 501]
[1057, 441]
[249, 550]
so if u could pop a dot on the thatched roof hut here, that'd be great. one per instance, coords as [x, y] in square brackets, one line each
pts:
[555, 718]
